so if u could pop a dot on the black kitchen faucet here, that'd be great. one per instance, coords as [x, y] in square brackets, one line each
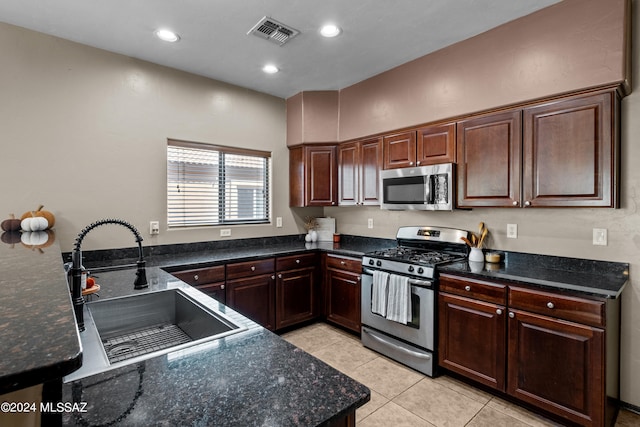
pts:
[76, 268]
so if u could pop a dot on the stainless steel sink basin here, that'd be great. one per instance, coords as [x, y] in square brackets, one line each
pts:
[125, 330]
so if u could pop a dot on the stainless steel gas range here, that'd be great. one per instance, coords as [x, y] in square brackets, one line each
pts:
[398, 294]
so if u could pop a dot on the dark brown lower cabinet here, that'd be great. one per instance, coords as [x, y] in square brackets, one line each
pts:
[473, 339]
[557, 366]
[295, 297]
[555, 351]
[254, 297]
[342, 291]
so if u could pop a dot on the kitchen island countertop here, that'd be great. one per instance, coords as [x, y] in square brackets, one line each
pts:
[250, 378]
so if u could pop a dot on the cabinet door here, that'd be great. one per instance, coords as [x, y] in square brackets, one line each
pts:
[313, 176]
[343, 298]
[295, 297]
[254, 297]
[348, 173]
[489, 163]
[370, 166]
[322, 176]
[472, 339]
[568, 155]
[557, 366]
[400, 150]
[214, 290]
[436, 144]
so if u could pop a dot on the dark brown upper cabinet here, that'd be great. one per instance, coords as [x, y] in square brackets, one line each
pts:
[359, 165]
[489, 160]
[313, 175]
[569, 152]
[561, 153]
[426, 146]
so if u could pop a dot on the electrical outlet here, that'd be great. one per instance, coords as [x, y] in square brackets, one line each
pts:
[512, 231]
[600, 236]
[154, 227]
[279, 222]
[225, 232]
[370, 223]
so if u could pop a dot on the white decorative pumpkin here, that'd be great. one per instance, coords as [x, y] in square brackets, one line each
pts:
[35, 223]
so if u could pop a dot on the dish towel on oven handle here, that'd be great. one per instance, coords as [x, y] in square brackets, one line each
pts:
[399, 299]
[379, 293]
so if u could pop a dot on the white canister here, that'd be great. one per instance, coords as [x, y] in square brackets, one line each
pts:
[476, 255]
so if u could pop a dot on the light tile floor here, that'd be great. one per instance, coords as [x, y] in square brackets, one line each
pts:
[401, 396]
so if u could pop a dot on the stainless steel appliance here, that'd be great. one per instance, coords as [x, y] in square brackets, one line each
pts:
[419, 252]
[426, 188]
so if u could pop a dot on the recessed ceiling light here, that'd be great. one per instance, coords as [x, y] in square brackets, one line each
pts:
[167, 35]
[270, 69]
[330, 30]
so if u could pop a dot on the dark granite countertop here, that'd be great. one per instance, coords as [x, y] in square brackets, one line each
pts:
[37, 325]
[590, 277]
[40, 338]
[251, 378]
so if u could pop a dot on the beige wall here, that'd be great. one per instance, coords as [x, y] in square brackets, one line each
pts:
[571, 45]
[84, 132]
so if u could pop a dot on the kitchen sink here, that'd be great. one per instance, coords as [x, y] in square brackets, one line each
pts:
[126, 330]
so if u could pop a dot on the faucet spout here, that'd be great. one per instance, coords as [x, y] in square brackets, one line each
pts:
[76, 267]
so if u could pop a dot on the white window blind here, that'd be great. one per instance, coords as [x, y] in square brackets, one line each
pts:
[214, 185]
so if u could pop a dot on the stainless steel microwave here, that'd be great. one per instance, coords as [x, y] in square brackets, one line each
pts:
[425, 188]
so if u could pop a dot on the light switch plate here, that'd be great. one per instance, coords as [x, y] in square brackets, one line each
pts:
[512, 231]
[279, 221]
[600, 236]
[225, 232]
[370, 223]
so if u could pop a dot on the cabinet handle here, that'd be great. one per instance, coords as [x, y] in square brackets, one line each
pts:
[342, 263]
[297, 261]
[511, 314]
[417, 163]
[410, 163]
[273, 277]
[498, 312]
[527, 203]
[195, 277]
[359, 278]
[253, 268]
[279, 276]
[550, 305]
[333, 203]
[515, 203]
[221, 286]
[467, 288]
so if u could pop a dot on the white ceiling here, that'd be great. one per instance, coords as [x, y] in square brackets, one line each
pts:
[377, 34]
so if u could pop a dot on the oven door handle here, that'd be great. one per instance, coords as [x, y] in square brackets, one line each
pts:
[414, 282]
[401, 349]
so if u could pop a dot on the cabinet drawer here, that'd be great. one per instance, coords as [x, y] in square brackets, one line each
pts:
[200, 276]
[294, 262]
[342, 263]
[589, 312]
[471, 288]
[250, 268]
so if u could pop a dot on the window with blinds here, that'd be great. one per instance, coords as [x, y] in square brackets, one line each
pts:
[215, 185]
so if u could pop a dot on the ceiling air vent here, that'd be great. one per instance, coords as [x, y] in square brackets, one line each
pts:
[272, 30]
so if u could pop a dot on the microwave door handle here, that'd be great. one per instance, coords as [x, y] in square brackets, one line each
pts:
[428, 189]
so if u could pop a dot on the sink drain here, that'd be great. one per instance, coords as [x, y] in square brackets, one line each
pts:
[144, 341]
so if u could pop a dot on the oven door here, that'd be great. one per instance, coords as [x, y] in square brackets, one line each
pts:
[420, 331]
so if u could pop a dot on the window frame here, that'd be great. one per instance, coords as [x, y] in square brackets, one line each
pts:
[222, 185]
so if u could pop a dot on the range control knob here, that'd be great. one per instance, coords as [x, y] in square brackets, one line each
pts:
[371, 262]
[411, 269]
[420, 270]
[379, 263]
